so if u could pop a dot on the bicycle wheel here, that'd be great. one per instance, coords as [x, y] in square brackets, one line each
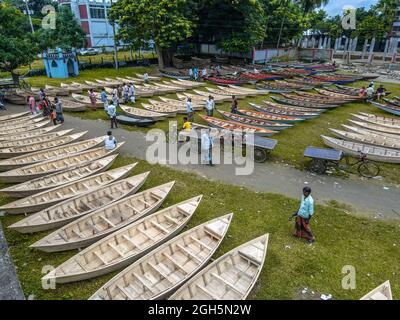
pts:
[368, 169]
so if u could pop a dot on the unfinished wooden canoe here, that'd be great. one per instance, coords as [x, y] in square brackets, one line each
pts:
[45, 199]
[29, 134]
[23, 124]
[187, 83]
[283, 110]
[293, 108]
[14, 116]
[126, 245]
[372, 152]
[71, 209]
[100, 83]
[155, 89]
[24, 128]
[235, 126]
[227, 93]
[57, 91]
[365, 131]
[257, 122]
[248, 90]
[230, 277]
[171, 87]
[51, 153]
[295, 97]
[167, 110]
[374, 139]
[375, 127]
[152, 78]
[72, 106]
[104, 221]
[382, 292]
[17, 121]
[239, 92]
[28, 141]
[134, 79]
[59, 178]
[338, 95]
[85, 100]
[83, 86]
[198, 99]
[71, 87]
[304, 104]
[341, 91]
[114, 81]
[170, 104]
[385, 121]
[217, 97]
[164, 269]
[54, 165]
[388, 108]
[143, 114]
[43, 145]
[268, 117]
[125, 80]
[181, 105]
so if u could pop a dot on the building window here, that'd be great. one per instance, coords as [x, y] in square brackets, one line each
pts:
[97, 12]
[54, 64]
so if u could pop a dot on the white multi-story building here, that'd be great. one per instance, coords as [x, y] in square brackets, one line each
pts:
[93, 17]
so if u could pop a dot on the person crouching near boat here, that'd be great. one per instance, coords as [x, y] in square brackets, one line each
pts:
[303, 216]
[110, 142]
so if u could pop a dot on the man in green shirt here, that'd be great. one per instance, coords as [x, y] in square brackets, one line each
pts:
[303, 216]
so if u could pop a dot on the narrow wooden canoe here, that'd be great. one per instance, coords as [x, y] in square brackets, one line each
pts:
[28, 141]
[312, 100]
[222, 98]
[167, 110]
[181, 105]
[14, 116]
[365, 131]
[388, 108]
[153, 78]
[268, 117]
[126, 245]
[257, 122]
[230, 277]
[372, 152]
[254, 92]
[384, 121]
[71, 88]
[57, 91]
[48, 154]
[29, 134]
[338, 95]
[143, 114]
[170, 87]
[341, 91]
[235, 126]
[227, 92]
[72, 106]
[134, 79]
[285, 110]
[375, 139]
[45, 199]
[375, 127]
[315, 96]
[55, 165]
[187, 83]
[17, 121]
[44, 145]
[104, 221]
[71, 209]
[24, 128]
[84, 86]
[382, 292]
[85, 100]
[101, 83]
[114, 81]
[198, 99]
[125, 80]
[164, 269]
[59, 178]
[304, 104]
[27, 122]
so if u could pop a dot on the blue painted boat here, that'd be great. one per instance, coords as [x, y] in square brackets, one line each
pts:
[391, 109]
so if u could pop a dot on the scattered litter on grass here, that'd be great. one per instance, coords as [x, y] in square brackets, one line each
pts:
[326, 296]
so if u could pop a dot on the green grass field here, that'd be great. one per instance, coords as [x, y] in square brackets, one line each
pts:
[291, 142]
[372, 247]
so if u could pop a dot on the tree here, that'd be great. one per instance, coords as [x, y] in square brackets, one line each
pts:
[166, 22]
[17, 44]
[310, 5]
[67, 34]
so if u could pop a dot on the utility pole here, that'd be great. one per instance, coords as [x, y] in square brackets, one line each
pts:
[115, 47]
[28, 12]
[280, 33]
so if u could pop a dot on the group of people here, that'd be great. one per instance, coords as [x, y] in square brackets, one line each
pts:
[125, 93]
[194, 73]
[51, 109]
[370, 92]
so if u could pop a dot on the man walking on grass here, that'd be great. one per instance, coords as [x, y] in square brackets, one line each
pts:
[112, 112]
[303, 216]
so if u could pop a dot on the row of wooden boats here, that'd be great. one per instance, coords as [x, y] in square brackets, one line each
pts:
[374, 136]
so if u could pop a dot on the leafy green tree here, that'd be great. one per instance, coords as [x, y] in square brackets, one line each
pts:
[310, 5]
[167, 22]
[17, 44]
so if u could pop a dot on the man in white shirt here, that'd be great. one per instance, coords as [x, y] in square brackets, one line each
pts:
[146, 77]
[210, 105]
[110, 142]
[206, 146]
[370, 92]
[112, 112]
[125, 92]
[132, 93]
[115, 100]
[189, 109]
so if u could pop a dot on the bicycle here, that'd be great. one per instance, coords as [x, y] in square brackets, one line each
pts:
[366, 168]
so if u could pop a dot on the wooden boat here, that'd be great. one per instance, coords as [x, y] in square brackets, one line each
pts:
[303, 104]
[151, 78]
[59, 178]
[382, 121]
[340, 91]
[143, 114]
[48, 154]
[392, 103]
[102, 83]
[95, 85]
[131, 121]
[167, 110]
[104, 221]
[240, 92]
[48, 149]
[15, 98]
[279, 110]
[126, 245]
[188, 83]
[71, 209]
[388, 108]
[226, 80]
[231, 277]
[55, 165]
[71, 87]
[84, 86]
[9, 117]
[134, 79]
[269, 117]
[181, 105]
[21, 120]
[235, 126]
[369, 132]
[85, 100]
[256, 122]
[375, 140]
[254, 92]
[24, 128]
[164, 269]
[372, 152]
[159, 89]
[281, 84]
[42, 200]
[29, 134]
[28, 122]
[227, 92]
[350, 89]
[57, 91]
[72, 106]
[171, 87]
[318, 96]
[338, 95]
[173, 75]
[115, 81]
[293, 97]
[293, 108]
[382, 292]
[375, 127]
[217, 97]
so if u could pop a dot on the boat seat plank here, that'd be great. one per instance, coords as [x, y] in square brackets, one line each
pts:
[176, 263]
[144, 284]
[80, 264]
[189, 253]
[214, 297]
[133, 208]
[131, 242]
[100, 257]
[201, 243]
[161, 272]
[76, 233]
[125, 292]
[146, 204]
[116, 249]
[107, 221]
[227, 283]
[171, 219]
[160, 227]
